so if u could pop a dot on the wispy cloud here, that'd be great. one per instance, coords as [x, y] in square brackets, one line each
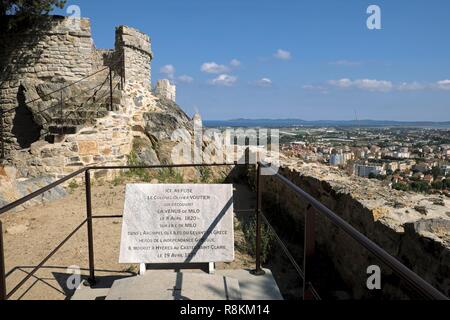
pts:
[411, 86]
[282, 54]
[444, 84]
[318, 88]
[346, 63]
[264, 82]
[375, 85]
[212, 67]
[185, 79]
[224, 80]
[168, 70]
[363, 84]
[235, 63]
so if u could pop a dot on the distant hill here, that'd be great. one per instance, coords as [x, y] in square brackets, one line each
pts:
[320, 123]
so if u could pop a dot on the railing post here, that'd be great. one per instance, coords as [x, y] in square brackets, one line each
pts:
[2, 138]
[87, 180]
[110, 90]
[2, 267]
[258, 270]
[309, 250]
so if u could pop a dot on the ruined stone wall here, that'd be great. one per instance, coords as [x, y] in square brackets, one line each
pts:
[108, 141]
[420, 241]
[53, 52]
[166, 90]
[135, 48]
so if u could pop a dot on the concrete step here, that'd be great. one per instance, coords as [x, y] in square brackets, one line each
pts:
[167, 285]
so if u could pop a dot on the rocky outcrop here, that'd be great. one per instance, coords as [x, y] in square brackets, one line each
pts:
[167, 118]
[13, 188]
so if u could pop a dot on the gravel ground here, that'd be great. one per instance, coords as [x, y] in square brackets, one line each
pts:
[32, 234]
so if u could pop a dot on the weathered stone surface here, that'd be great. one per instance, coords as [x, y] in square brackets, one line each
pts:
[177, 223]
[163, 124]
[88, 147]
[419, 239]
[12, 190]
[145, 154]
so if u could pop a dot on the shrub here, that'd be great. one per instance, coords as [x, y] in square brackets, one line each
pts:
[169, 175]
[73, 185]
[205, 174]
[249, 230]
[141, 173]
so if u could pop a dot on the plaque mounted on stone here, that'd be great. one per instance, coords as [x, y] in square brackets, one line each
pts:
[177, 223]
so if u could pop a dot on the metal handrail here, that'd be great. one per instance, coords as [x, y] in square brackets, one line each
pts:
[114, 64]
[41, 264]
[88, 220]
[416, 282]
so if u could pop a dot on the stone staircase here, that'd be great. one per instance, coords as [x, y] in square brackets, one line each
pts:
[75, 113]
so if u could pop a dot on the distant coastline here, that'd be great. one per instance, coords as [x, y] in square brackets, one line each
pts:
[271, 123]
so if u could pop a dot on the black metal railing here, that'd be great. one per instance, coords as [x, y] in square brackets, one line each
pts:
[309, 292]
[416, 283]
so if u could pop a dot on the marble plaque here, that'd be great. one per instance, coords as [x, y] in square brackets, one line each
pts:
[177, 223]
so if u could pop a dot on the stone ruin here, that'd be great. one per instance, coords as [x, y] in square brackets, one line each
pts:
[59, 113]
[165, 89]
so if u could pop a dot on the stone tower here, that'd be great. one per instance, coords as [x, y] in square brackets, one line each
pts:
[135, 47]
[166, 90]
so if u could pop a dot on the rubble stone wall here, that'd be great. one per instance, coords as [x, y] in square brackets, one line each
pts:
[422, 245]
[135, 47]
[165, 89]
[55, 53]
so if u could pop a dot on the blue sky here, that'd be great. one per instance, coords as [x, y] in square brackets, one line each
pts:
[293, 59]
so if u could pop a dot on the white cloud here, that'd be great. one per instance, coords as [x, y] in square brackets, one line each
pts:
[346, 63]
[224, 80]
[444, 84]
[168, 70]
[380, 85]
[185, 79]
[411, 86]
[318, 88]
[342, 83]
[235, 63]
[264, 82]
[374, 85]
[363, 84]
[212, 67]
[282, 54]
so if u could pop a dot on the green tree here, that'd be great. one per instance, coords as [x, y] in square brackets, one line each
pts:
[437, 185]
[25, 13]
[446, 183]
[420, 186]
[29, 7]
[436, 172]
[401, 186]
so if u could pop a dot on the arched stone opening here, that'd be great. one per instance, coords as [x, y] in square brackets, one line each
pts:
[24, 128]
